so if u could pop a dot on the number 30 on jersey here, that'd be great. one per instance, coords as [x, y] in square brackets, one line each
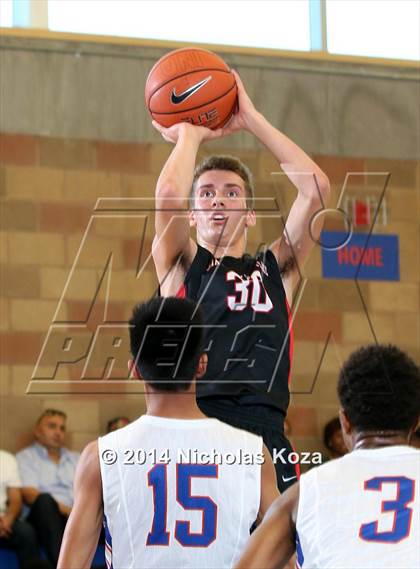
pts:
[250, 292]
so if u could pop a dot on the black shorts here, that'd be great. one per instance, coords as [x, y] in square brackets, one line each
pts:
[265, 421]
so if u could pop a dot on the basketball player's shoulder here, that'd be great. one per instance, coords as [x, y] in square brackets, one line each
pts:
[200, 262]
[328, 471]
[333, 469]
[387, 454]
[275, 269]
[403, 455]
[408, 450]
[267, 263]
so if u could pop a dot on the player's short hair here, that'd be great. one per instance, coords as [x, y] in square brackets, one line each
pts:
[51, 413]
[225, 162]
[379, 389]
[160, 321]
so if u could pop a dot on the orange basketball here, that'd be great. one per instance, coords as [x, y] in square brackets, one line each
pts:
[191, 85]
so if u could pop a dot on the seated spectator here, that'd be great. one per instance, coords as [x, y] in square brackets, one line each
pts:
[15, 534]
[47, 470]
[333, 439]
[117, 423]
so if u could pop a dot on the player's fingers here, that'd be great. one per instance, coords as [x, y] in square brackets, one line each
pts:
[238, 79]
[232, 125]
[216, 133]
[223, 132]
[158, 127]
[163, 131]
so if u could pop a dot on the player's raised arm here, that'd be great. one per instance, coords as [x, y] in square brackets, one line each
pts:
[173, 188]
[311, 182]
[84, 524]
[273, 542]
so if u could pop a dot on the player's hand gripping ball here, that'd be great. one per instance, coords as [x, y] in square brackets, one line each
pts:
[191, 85]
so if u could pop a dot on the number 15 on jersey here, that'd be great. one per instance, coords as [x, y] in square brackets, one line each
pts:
[159, 533]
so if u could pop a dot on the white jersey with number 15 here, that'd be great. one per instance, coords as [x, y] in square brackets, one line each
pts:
[167, 508]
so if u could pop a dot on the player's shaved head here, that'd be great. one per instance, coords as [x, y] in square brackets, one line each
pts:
[166, 340]
[379, 389]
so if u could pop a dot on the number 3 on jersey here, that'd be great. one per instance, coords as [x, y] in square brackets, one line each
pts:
[157, 479]
[402, 514]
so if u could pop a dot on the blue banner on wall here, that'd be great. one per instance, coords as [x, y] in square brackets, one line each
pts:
[367, 257]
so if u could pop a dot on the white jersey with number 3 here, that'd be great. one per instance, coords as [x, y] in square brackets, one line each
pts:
[361, 511]
[167, 509]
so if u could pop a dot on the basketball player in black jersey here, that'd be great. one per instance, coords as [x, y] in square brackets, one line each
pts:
[245, 299]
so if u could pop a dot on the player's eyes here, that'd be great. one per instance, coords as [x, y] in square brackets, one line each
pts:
[233, 194]
[207, 194]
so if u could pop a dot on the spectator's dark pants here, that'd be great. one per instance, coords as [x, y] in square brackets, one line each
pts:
[49, 524]
[23, 540]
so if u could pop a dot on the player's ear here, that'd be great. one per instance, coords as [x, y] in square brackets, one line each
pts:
[251, 218]
[202, 365]
[192, 218]
[346, 429]
[344, 422]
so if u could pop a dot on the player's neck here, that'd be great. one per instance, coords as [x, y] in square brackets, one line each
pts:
[233, 250]
[173, 406]
[379, 439]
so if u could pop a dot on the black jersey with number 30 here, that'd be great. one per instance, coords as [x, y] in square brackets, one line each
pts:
[248, 335]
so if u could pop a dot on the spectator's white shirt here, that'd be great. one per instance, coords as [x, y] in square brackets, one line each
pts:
[9, 477]
[37, 470]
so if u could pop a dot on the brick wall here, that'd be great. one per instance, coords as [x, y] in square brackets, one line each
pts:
[49, 188]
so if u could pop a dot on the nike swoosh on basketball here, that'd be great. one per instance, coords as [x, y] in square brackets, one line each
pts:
[176, 99]
[288, 479]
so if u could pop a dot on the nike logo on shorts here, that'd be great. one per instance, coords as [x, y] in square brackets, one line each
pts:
[288, 479]
[176, 99]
